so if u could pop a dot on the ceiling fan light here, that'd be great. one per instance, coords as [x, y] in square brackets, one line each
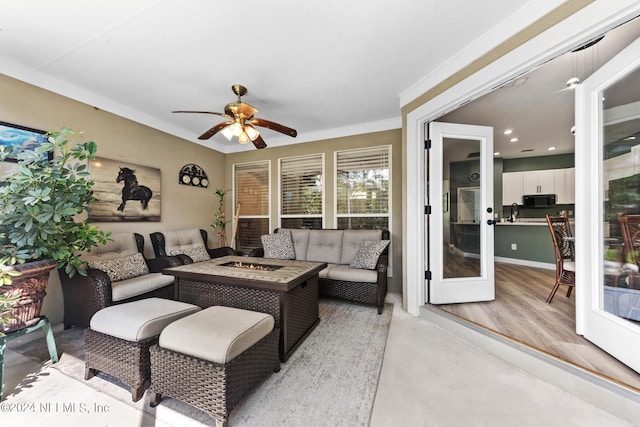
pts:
[227, 132]
[252, 132]
[243, 138]
[236, 129]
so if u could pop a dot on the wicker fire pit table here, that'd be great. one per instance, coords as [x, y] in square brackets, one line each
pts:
[286, 289]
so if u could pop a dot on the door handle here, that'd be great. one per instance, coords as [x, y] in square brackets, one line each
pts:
[491, 222]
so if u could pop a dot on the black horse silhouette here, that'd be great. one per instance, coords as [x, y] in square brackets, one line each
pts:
[131, 189]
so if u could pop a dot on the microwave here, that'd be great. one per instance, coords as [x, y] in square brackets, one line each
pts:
[539, 201]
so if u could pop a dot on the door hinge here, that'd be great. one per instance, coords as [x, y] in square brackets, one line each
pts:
[427, 144]
[427, 275]
[427, 210]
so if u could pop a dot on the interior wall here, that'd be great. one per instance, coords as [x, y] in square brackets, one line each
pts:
[328, 147]
[126, 141]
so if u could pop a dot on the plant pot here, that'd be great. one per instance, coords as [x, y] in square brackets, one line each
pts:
[30, 285]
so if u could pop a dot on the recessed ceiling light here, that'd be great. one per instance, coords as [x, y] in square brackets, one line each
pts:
[497, 153]
[551, 148]
[508, 131]
[573, 82]
[629, 138]
[514, 140]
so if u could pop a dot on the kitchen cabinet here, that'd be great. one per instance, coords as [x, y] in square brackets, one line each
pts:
[560, 182]
[538, 182]
[565, 186]
[511, 188]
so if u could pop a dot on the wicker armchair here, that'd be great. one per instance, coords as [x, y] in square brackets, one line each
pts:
[85, 295]
[159, 243]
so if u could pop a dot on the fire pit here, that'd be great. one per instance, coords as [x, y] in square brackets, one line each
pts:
[251, 266]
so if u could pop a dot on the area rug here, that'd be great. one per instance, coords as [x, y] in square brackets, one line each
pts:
[330, 380]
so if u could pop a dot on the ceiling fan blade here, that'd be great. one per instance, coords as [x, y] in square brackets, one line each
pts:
[204, 112]
[217, 128]
[246, 110]
[274, 126]
[259, 142]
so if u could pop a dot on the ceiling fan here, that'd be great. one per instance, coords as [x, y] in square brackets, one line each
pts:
[241, 121]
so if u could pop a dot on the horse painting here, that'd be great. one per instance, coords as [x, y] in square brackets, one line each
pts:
[132, 190]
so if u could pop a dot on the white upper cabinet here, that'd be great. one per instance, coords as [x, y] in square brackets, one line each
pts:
[511, 188]
[565, 186]
[560, 182]
[539, 182]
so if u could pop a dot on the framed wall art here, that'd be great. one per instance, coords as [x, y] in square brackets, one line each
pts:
[125, 191]
[21, 138]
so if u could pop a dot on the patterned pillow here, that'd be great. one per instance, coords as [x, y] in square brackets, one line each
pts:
[121, 268]
[278, 245]
[368, 254]
[197, 253]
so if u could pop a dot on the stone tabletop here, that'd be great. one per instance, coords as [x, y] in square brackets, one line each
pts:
[287, 270]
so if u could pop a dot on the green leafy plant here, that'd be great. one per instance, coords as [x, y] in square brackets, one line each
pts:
[40, 203]
[220, 222]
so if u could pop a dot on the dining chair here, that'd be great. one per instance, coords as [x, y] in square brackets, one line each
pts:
[564, 253]
[630, 227]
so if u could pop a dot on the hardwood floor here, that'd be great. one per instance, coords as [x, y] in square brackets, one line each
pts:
[521, 313]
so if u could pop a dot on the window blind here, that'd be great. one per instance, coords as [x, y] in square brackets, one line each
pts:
[301, 186]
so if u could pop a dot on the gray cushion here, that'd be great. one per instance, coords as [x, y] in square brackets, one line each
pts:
[278, 245]
[137, 320]
[347, 274]
[368, 254]
[325, 246]
[351, 242]
[188, 242]
[120, 267]
[300, 239]
[135, 286]
[217, 333]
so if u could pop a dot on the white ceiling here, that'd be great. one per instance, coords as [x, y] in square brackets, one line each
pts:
[326, 68]
[539, 107]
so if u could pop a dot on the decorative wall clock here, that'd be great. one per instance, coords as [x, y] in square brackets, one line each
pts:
[193, 175]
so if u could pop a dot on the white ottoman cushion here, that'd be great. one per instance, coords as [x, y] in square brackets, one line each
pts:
[218, 333]
[138, 320]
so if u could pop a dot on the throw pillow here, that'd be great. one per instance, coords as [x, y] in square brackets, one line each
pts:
[278, 245]
[196, 253]
[368, 254]
[121, 268]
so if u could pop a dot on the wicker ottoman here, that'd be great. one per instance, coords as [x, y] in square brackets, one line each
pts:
[118, 339]
[213, 358]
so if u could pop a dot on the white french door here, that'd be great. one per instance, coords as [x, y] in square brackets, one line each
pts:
[607, 178]
[460, 226]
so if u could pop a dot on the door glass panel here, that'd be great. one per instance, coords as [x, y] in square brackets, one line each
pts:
[620, 291]
[461, 208]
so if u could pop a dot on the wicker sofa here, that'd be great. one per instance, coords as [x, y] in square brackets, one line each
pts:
[189, 244]
[338, 248]
[116, 273]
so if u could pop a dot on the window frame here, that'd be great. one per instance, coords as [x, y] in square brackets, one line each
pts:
[321, 158]
[389, 214]
[260, 163]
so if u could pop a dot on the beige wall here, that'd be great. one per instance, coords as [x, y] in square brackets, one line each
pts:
[328, 147]
[127, 141]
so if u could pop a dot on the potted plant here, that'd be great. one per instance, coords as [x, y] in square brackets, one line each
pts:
[220, 222]
[39, 225]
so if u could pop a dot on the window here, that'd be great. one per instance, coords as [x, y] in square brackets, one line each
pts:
[251, 191]
[362, 188]
[301, 192]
